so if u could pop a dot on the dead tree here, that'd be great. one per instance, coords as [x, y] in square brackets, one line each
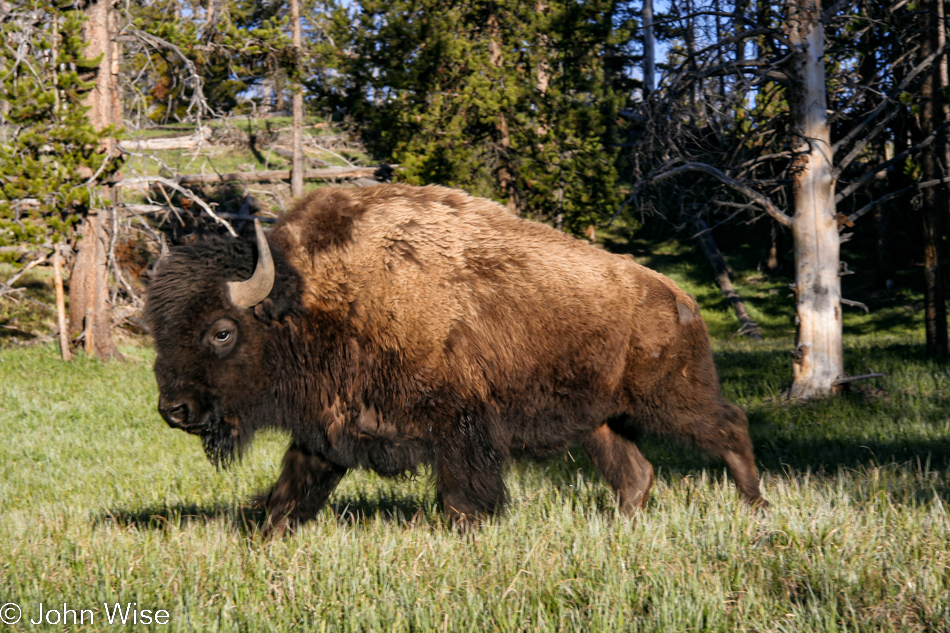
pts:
[89, 313]
[780, 161]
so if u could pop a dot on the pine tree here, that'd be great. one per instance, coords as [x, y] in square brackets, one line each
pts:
[49, 152]
[508, 100]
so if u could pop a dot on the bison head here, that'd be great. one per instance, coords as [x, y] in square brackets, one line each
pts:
[211, 342]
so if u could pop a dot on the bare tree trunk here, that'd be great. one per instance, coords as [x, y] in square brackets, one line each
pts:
[297, 167]
[61, 304]
[772, 261]
[738, 25]
[819, 353]
[89, 288]
[649, 50]
[882, 222]
[690, 37]
[934, 198]
[944, 66]
[89, 291]
[719, 56]
[506, 178]
[209, 14]
[543, 73]
[105, 108]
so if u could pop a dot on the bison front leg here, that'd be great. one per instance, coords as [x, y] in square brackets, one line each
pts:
[725, 432]
[305, 483]
[623, 466]
[470, 474]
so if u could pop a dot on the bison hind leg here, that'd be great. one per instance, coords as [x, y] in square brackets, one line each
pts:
[623, 466]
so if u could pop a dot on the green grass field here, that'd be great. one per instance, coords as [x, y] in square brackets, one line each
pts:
[102, 503]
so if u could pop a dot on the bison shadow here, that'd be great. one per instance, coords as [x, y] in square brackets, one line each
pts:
[248, 519]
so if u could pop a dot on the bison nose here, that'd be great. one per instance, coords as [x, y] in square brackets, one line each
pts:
[175, 412]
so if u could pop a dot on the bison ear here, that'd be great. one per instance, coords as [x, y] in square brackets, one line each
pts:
[285, 295]
[162, 258]
[278, 304]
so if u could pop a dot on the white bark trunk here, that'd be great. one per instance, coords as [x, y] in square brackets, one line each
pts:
[296, 180]
[819, 354]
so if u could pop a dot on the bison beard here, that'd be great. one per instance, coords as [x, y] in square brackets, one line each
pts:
[392, 326]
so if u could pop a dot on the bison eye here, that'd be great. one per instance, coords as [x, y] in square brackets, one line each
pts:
[222, 336]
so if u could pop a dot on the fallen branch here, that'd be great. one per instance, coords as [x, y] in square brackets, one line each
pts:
[747, 326]
[152, 209]
[289, 155]
[246, 217]
[6, 287]
[846, 379]
[855, 304]
[176, 142]
[324, 173]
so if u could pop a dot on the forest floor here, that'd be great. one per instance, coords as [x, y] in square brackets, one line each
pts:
[104, 504]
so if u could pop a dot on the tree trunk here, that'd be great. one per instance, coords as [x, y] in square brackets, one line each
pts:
[772, 260]
[105, 108]
[649, 50]
[934, 204]
[297, 167]
[543, 73]
[819, 354]
[738, 25]
[89, 291]
[896, 181]
[209, 15]
[89, 288]
[506, 177]
[882, 223]
[689, 36]
[60, 304]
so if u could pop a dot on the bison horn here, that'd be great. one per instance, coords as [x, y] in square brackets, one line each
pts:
[248, 293]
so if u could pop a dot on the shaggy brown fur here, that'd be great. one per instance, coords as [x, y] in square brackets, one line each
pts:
[411, 325]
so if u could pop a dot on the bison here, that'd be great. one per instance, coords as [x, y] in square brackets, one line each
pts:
[394, 326]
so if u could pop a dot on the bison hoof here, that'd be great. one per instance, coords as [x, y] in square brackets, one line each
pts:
[278, 528]
[759, 504]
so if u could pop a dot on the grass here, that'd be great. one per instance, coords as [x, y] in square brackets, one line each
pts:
[103, 504]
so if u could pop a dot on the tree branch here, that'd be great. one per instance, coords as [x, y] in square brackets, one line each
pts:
[763, 201]
[876, 203]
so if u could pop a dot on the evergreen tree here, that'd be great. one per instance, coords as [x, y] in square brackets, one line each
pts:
[49, 152]
[510, 100]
